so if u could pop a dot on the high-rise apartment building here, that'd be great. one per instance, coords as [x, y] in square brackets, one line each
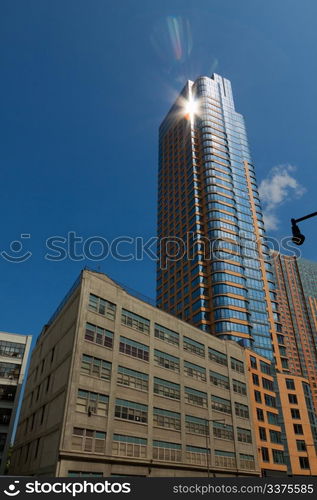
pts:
[119, 387]
[215, 270]
[297, 295]
[14, 351]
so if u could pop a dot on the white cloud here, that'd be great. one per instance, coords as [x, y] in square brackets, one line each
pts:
[277, 188]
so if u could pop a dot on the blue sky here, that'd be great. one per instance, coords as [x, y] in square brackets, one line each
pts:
[84, 88]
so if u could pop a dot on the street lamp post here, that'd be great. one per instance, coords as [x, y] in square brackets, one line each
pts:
[207, 421]
[298, 237]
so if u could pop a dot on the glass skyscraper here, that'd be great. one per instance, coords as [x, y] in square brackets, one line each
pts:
[208, 199]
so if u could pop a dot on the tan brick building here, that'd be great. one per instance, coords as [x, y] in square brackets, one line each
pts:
[118, 387]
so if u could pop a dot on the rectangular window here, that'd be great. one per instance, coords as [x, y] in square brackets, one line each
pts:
[244, 435]
[95, 367]
[92, 403]
[196, 455]
[102, 306]
[221, 404]
[165, 418]
[195, 371]
[129, 410]
[166, 388]
[272, 418]
[129, 446]
[237, 365]
[169, 452]
[135, 321]
[239, 387]
[295, 413]
[11, 349]
[194, 347]
[225, 459]
[162, 333]
[255, 379]
[267, 384]
[217, 357]
[278, 456]
[275, 437]
[166, 360]
[7, 393]
[262, 433]
[88, 441]
[298, 428]
[10, 371]
[194, 397]
[98, 335]
[270, 400]
[195, 425]
[292, 398]
[301, 445]
[304, 462]
[247, 461]
[265, 454]
[290, 384]
[241, 410]
[132, 378]
[253, 362]
[219, 380]
[75, 473]
[222, 431]
[265, 368]
[134, 349]
[257, 397]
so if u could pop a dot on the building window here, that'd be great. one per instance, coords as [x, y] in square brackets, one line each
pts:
[196, 455]
[194, 397]
[290, 384]
[253, 362]
[219, 380]
[134, 349]
[92, 403]
[298, 429]
[237, 365]
[241, 410]
[265, 368]
[295, 413]
[165, 418]
[7, 392]
[272, 418]
[244, 435]
[88, 440]
[270, 400]
[135, 321]
[98, 335]
[239, 387]
[166, 388]
[166, 360]
[255, 379]
[217, 357]
[10, 371]
[301, 445]
[195, 425]
[222, 431]
[221, 404]
[129, 410]
[132, 378]
[195, 371]
[5, 415]
[257, 397]
[278, 456]
[11, 349]
[226, 459]
[304, 462]
[265, 454]
[129, 446]
[102, 306]
[247, 461]
[95, 367]
[292, 398]
[262, 433]
[267, 384]
[169, 452]
[275, 437]
[162, 333]
[193, 347]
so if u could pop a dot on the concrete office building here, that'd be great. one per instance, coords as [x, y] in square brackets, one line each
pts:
[215, 270]
[14, 350]
[119, 387]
